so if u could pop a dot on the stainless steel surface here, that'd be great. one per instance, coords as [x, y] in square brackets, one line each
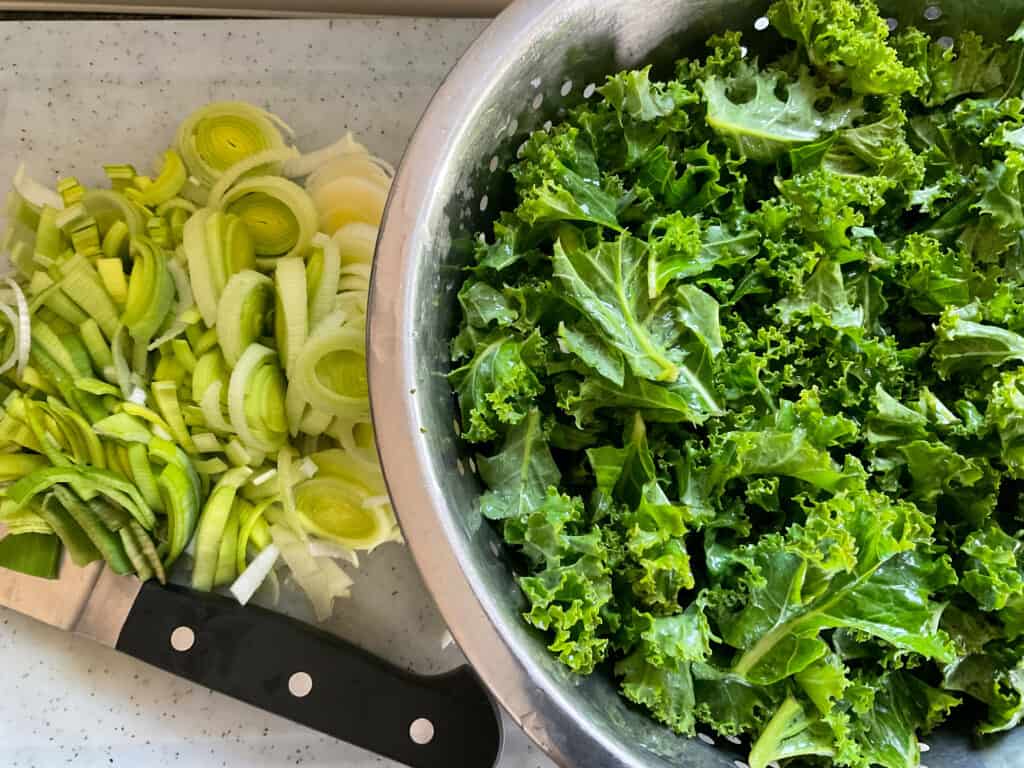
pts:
[533, 61]
[276, 8]
[90, 601]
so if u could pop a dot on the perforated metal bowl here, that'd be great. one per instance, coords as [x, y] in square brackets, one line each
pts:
[535, 60]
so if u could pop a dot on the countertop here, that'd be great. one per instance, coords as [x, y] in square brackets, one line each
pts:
[75, 95]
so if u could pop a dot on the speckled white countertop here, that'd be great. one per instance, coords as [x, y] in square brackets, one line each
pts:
[75, 95]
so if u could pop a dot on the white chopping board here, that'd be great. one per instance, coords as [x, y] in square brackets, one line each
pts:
[76, 95]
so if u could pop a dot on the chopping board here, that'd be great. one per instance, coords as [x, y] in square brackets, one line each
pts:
[76, 95]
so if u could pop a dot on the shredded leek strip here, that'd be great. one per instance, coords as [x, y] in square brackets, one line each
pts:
[242, 312]
[319, 577]
[286, 489]
[166, 185]
[252, 577]
[49, 240]
[115, 241]
[212, 466]
[219, 135]
[207, 442]
[142, 474]
[180, 497]
[107, 206]
[15, 465]
[150, 292]
[290, 310]
[165, 394]
[120, 175]
[111, 272]
[211, 526]
[50, 343]
[280, 216]
[271, 158]
[183, 356]
[237, 454]
[96, 345]
[84, 286]
[226, 571]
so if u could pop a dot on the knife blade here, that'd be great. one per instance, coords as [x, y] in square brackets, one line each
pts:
[273, 662]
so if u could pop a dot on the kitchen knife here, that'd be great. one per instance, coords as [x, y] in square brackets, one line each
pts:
[272, 661]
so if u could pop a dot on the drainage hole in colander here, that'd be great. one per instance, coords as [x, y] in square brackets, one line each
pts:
[538, 100]
[892, 23]
[761, 23]
[566, 87]
[932, 12]
[945, 41]
[589, 90]
[493, 165]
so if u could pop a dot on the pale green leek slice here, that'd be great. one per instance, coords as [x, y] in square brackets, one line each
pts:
[291, 322]
[165, 186]
[323, 272]
[219, 135]
[330, 372]
[242, 312]
[256, 400]
[279, 215]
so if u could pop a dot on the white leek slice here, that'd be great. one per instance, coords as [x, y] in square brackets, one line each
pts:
[333, 508]
[255, 574]
[303, 165]
[268, 157]
[350, 164]
[320, 578]
[35, 193]
[349, 199]
[356, 242]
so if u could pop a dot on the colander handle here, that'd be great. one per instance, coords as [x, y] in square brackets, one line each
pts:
[304, 674]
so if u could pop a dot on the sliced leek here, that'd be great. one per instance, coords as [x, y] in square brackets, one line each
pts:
[280, 216]
[176, 349]
[219, 135]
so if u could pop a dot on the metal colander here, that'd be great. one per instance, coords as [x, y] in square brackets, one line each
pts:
[535, 61]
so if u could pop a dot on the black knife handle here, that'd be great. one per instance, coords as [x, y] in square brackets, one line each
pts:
[251, 654]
